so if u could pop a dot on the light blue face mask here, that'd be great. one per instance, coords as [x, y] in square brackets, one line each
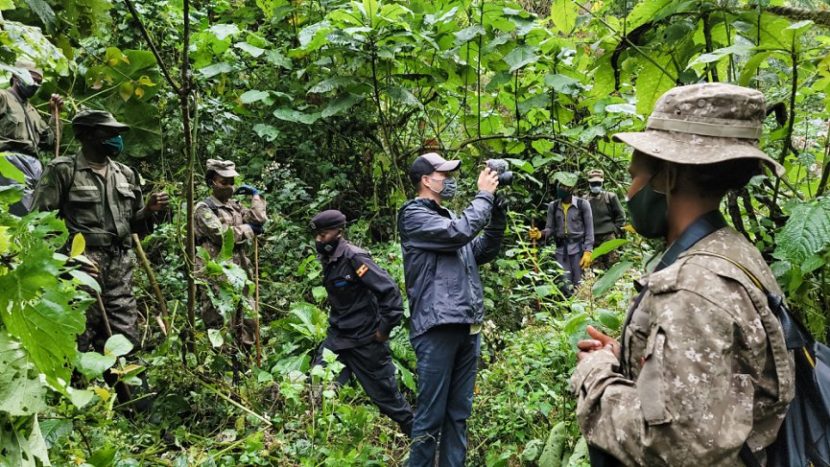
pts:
[596, 189]
[449, 190]
[113, 146]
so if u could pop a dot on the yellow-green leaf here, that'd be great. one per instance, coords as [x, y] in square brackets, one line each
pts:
[564, 13]
[78, 245]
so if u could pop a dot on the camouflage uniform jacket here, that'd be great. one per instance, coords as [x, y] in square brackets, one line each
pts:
[210, 226]
[106, 210]
[21, 128]
[704, 365]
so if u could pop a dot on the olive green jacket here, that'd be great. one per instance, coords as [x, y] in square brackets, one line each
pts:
[21, 127]
[106, 210]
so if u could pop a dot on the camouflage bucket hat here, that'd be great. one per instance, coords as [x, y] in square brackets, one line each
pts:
[222, 168]
[704, 124]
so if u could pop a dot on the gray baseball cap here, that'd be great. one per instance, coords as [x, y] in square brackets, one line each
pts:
[704, 124]
[430, 162]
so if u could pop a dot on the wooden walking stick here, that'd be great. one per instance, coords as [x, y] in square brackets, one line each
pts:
[535, 262]
[103, 311]
[139, 250]
[127, 392]
[256, 304]
[56, 114]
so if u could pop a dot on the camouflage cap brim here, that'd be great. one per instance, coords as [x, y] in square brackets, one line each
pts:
[227, 173]
[693, 149]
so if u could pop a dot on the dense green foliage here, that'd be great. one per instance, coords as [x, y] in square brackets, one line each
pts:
[324, 104]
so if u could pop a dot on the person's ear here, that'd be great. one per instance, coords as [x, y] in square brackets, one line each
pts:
[665, 180]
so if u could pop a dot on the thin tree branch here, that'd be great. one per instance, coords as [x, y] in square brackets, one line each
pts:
[625, 39]
[159, 61]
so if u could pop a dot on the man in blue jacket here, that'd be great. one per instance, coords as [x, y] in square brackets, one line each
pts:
[441, 253]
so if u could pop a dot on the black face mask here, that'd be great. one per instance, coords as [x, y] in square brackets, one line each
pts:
[26, 90]
[649, 212]
[327, 248]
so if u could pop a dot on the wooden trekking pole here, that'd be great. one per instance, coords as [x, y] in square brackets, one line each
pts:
[256, 304]
[56, 114]
[127, 392]
[535, 262]
[142, 257]
[103, 311]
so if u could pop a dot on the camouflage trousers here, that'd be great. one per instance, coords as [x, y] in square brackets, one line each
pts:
[115, 275]
[609, 259]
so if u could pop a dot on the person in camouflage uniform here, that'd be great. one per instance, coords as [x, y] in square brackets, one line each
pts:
[23, 132]
[101, 199]
[214, 216]
[702, 372]
[608, 216]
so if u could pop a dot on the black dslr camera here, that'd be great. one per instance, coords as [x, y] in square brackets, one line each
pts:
[500, 166]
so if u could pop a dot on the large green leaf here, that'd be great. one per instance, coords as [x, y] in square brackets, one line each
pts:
[217, 68]
[314, 36]
[117, 346]
[252, 50]
[21, 392]
[609, 246]
[610, 277]
[10, 171]
[647, 11]
[93, 364]
[223, 31]
[564, 14]
[520, 57]
[469, 33]
[21, 449]
[740, 50]
[42, 10]
[652, 82]
[341, 104]
[41, 311]
[291, 115]
[806, 233]
[253, 95]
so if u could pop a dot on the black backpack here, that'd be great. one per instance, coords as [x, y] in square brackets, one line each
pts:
[804, 437]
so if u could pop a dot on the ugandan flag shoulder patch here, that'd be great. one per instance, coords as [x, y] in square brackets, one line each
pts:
[363, 269]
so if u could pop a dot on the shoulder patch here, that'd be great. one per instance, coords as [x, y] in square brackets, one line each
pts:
[362, 270]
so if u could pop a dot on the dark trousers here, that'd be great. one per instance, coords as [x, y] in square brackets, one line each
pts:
[570, 263]
[609, 259]
[447, 364]
[372, 365]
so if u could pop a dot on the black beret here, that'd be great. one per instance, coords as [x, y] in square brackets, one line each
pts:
[329, 219]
